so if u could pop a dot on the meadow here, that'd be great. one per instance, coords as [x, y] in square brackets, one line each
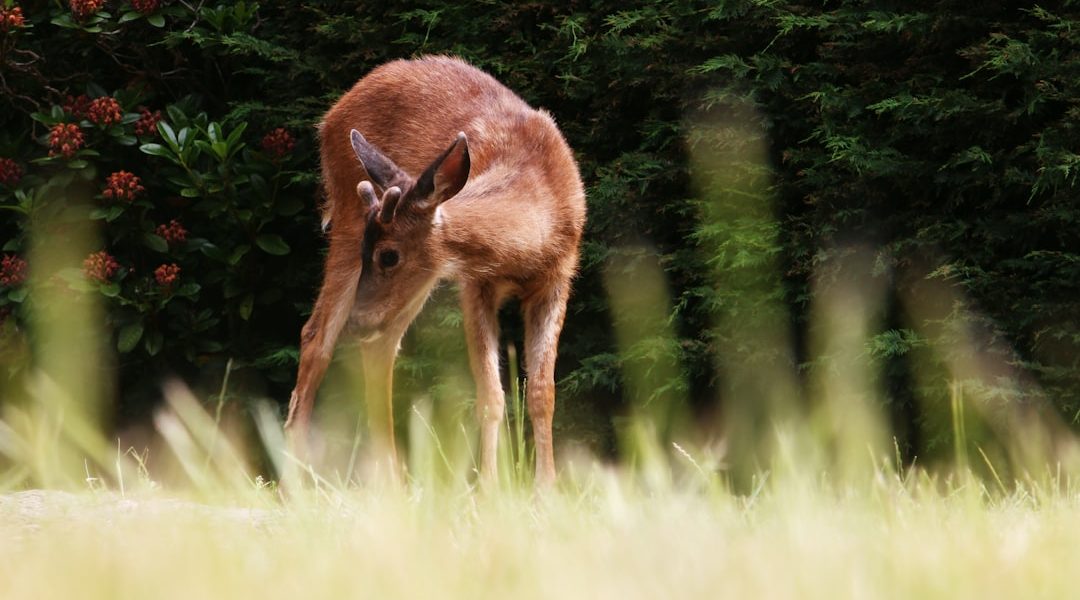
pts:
[603, 534]
[212, 512]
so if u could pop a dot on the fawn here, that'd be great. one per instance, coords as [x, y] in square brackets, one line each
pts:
[457, 178]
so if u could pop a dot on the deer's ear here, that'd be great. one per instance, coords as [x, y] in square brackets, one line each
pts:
[445, 176]
[383, 172]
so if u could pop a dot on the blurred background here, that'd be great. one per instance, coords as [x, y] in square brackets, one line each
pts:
[838, 230]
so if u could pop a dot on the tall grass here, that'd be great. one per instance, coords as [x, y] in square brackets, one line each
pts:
[604, 534]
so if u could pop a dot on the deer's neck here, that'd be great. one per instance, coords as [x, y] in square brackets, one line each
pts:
[475, 230]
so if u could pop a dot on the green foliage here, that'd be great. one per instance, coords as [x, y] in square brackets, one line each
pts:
[214, 252]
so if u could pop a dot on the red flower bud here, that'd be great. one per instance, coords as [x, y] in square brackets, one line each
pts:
[12, 270]
[122, 185]
[76, 105]
[147, 123]
[145, 6]
[104, 111]
[81, 9]
[278, 143]
[11, 18]
[65, 139]
[166, 275]
[100, 266]
[174, 232]
[10, 172]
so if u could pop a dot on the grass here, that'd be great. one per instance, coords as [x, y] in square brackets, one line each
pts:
[201, 517]
[674, 526]
[601, 536]
[196, 519]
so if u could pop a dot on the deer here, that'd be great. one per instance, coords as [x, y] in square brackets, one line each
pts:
[435, 171]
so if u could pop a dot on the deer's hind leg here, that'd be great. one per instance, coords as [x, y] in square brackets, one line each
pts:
[480, 307]
[544, 314]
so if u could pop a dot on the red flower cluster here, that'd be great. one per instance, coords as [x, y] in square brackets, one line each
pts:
[12, 270]
[174, 232]
[166, 275]
[65, 139]
[100, 266]
[278, 143]
[122, 185]
[77, 105]
[147, 123]
[81, 9]
[145, 6]
[11, 18]
[104, 111]
[10, 172]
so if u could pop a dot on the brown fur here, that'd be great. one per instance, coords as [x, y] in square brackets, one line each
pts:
[512, 230]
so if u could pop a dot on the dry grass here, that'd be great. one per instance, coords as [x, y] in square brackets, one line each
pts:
[604, 536]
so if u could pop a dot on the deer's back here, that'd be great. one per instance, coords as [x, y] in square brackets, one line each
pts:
[412, 109]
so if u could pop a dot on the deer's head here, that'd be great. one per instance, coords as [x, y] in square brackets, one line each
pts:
[400, 260]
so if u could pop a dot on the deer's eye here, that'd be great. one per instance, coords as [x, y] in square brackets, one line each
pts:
[388, 259]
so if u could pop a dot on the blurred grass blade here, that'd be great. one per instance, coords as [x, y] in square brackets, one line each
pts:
[738, 237]
[649, 355]
[846, 412]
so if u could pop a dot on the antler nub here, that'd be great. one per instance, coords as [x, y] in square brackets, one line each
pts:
[389, 204]
[366, 191]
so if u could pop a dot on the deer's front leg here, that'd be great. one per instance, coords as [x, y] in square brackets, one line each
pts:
[482, 336]
[320, 333]
[313, 362]
[544, 316]
[378, 358]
